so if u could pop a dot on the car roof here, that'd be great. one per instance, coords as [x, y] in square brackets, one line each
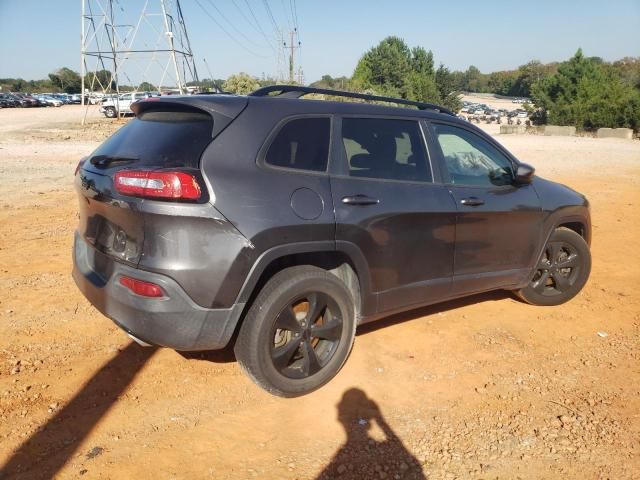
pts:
[306, 105]
[299, 106]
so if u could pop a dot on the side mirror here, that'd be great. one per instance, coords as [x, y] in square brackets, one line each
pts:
[524, 174]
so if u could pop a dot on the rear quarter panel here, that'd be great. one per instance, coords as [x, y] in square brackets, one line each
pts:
[255, 199]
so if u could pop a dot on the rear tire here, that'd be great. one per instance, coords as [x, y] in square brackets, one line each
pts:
[561, 272]
[298, 332]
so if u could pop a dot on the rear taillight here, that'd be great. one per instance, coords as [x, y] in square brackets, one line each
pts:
[144, 289]
[149, 184]
[79, 166]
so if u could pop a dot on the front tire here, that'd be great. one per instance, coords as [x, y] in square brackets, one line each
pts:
[110, 112]
[298, 332]
[561, 272]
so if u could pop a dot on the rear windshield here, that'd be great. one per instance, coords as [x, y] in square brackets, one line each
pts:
[161, 138]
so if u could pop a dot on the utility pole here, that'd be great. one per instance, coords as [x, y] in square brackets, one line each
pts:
[293, 44]
[83, 66]
[172, 47]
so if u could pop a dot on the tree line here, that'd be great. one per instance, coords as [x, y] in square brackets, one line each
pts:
[583, 91]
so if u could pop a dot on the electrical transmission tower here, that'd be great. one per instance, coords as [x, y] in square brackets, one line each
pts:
[137, 43]
[294, 44]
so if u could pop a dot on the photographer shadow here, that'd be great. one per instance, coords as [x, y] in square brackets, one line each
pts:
[363, 456]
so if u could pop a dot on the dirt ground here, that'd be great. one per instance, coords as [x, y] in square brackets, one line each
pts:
[482, 388]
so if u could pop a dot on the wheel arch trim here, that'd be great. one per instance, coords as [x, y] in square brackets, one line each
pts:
[556, 223]
[348, 249]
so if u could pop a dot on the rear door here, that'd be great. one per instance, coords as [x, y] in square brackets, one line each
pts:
[498, 225]
[388, 206]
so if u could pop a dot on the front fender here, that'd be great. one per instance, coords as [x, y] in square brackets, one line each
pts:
[561, 206]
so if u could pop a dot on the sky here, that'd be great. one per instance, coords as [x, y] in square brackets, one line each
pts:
[39, 36]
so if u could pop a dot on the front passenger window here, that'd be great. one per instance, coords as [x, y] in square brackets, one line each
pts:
[471, 160]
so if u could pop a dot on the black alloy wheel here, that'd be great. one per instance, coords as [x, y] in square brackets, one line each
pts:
[561, 272]
[298, 332]
[306, 334]
[558, 269]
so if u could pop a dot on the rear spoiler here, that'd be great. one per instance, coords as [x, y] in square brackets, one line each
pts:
[222, 108]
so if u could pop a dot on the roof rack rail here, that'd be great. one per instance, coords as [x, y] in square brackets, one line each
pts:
[295, 91]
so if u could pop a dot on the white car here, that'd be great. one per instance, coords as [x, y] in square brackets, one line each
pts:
[523, 114]
[122, 104]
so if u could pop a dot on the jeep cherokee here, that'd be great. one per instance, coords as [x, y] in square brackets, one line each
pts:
[288, 222]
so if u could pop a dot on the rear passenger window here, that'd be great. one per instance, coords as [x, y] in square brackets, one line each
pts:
[302, 144]
[387, 149]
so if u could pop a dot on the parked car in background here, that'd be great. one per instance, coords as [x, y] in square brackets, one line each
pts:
[10, 100]
[122, 104]
[76, 98]
[64, 98]
[27, 100]
[50, 101]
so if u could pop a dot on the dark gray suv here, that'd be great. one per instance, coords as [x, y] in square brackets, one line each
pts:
[289, 222]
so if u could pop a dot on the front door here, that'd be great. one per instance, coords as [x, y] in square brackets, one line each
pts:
[498, 226]
[388, 206]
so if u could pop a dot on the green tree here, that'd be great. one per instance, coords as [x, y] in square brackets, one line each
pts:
[421, 88]
[446, 83]
[66, 80]
[338, 83]
[588, 95]
[100, 80]
[385, 67]
[393, 69]
[502, 83]
[628, 69]
[422, 61]
[473, 80]
[241, 84]
[147, 87]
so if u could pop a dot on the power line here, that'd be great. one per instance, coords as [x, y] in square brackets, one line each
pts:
[295, 13]
[226, 32]
[232, 25]
[286, 14]
[254, 18]
[271, 17]
[255, 26]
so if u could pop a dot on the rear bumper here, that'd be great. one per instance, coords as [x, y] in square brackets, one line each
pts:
[174, 321]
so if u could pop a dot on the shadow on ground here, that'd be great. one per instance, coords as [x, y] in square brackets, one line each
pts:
[363, 456]
[44, 453]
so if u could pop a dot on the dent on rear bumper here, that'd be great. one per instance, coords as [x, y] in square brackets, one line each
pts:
[174, 321]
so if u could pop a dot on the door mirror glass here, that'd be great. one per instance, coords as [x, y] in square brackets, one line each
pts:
[524, 174]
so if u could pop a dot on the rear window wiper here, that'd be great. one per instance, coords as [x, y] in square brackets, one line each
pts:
[103, 161]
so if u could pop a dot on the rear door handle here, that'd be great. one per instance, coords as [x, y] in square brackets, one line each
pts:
[472, 202]
[359, 199]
